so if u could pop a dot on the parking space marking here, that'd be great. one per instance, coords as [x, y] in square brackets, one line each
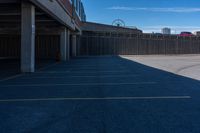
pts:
[96, 98]
[81, 84]
[12, 77]
[22, 74]
[86, 66]
[95, 69]
[51, 72]
[79, 72]
[117, 71]
[82, 76]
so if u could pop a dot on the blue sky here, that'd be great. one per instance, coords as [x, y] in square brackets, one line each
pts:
[148, 15]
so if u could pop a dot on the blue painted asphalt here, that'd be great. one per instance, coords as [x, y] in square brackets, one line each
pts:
[99, 77]
[9, 67]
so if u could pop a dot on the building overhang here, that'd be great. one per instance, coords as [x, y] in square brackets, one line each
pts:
[54, 9]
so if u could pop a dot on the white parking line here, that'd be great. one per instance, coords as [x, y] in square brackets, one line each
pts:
[117, 71]
[19, 75]
[12, 77]
[86, 66]
[81, 84]
[82, 72]
[96, 98]
[52, 72]
[67, 76]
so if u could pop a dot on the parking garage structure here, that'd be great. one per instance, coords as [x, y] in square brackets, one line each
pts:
[34, 31]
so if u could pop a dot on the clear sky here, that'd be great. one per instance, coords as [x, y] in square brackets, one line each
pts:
[148, 15]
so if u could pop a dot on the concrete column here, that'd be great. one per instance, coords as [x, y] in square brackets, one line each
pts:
[64, 44]
[27, 37]
[68, 44]
[74, 45]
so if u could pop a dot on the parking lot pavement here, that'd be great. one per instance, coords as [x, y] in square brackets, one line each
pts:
[184, 65]
[99, 95]
[9, 68]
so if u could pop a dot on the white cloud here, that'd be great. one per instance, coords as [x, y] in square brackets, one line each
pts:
[175, 10]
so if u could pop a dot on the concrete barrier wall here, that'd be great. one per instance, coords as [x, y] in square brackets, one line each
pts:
[46, 46]
[133, 44]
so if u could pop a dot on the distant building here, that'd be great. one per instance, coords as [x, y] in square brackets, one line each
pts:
[197, 33]
[166, 31]
[79, 9]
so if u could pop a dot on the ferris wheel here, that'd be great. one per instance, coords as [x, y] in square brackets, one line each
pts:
[118, 23]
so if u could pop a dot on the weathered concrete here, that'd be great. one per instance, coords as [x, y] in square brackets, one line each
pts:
[184, 65]
[28, 38]
[55, 9]
[64, 44]
[68, 45]
[74, 45]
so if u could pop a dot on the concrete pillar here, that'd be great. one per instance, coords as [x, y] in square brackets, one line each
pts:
[64, 44]
[27, 37]
[74, 45]
[68, 44]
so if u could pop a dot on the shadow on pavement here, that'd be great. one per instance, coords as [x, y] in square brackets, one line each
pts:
[11, 67]
[100, 77]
